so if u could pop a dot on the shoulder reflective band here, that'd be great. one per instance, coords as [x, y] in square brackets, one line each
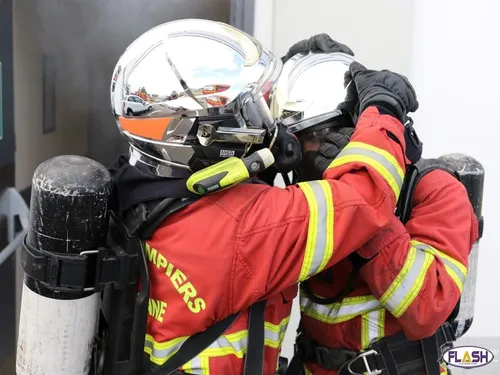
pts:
[407, 284]
[338, 312]
[456, 270]
[372, 327]
[380, 160]
[320, 241]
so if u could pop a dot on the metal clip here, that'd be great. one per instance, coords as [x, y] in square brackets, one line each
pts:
[363, 356]
[85, 253]
[207, 134]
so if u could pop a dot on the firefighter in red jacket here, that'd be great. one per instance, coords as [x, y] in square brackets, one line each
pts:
[251, 242]
[377, 299]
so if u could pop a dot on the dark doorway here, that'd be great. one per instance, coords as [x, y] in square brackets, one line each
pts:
[7, 269]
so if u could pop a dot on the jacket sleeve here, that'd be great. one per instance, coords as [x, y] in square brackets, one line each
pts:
[420, 273]
[288, 235]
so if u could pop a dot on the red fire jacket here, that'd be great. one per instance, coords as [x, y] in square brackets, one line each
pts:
[252, 242]
[413, 283]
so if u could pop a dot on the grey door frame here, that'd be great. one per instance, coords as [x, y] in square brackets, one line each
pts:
[6, 58]
[7, 178]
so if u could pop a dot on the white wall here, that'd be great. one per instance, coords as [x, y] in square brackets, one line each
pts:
[454, 56]
[380, 35]
[441, 46]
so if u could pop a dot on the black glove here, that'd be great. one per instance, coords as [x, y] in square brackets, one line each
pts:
[317, 43]
[314, 163]
[385, 89]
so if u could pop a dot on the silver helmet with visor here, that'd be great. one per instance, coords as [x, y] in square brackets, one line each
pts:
[189, 93]
[309, 92]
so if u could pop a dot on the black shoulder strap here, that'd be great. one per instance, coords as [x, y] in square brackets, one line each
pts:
[254, 359]
[414, 174]
[144, 218]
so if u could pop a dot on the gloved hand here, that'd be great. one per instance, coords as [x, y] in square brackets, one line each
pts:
[314, 163]
[317, 43]
[385, 89]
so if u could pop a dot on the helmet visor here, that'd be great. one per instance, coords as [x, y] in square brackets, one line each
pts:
[310, 89]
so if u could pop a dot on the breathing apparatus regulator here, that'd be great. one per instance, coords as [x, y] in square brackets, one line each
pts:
[283, 151]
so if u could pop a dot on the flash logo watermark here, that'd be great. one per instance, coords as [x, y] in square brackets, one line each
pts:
[468, 356]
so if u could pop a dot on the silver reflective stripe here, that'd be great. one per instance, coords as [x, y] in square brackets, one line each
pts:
[372, 327]
[379, 158]
[230, 344]
[160, 353]
[235, 344]
[455, 269]
[393, 173]
[408, 283]
[194, 366]
[319, 246]
[349, 308]
[274, 334]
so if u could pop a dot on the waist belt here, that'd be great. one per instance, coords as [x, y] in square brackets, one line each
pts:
[395, 355]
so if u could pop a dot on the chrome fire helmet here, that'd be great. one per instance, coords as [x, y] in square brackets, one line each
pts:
[189, 93]
[310, 88]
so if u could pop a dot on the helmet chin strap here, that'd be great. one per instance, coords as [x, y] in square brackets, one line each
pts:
[286, 179]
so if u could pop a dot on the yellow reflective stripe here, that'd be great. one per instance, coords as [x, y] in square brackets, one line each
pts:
[334, 313]
[320, 241]
[372, 327]
[275, 333]
[380, 160]
[456, 270]
[229, 344]
[198, 366]
[188, 367]
[159, 353]
[233, 343]
[406, 286]
[205, 365]
[306, 370]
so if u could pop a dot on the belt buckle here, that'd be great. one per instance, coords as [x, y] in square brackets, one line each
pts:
[447, 331]
[363, 356]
